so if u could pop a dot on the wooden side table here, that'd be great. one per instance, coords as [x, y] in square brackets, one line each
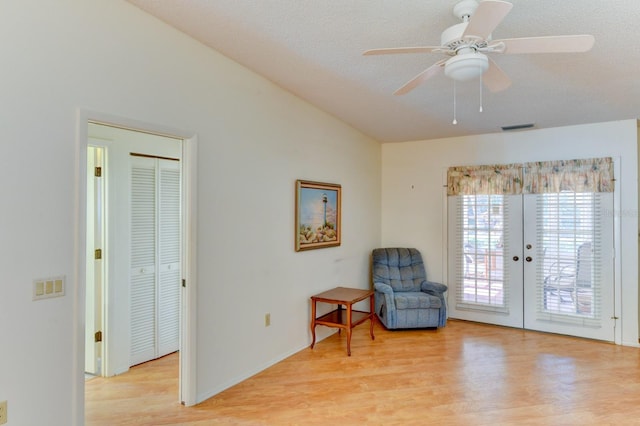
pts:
[340, 318]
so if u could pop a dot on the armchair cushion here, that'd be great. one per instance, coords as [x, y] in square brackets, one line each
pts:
[416, 300]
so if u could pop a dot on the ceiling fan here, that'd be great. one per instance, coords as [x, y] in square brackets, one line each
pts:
[467, 44]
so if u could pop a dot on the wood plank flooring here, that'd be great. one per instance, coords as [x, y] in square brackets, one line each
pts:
[463, 374]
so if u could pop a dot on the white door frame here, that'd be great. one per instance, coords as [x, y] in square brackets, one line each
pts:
[187, 387]
[94, 351]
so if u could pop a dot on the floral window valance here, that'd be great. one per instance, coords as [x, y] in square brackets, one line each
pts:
[585, 175]
[502, 179]
[590, 175]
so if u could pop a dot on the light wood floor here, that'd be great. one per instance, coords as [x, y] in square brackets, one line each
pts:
[463, 374]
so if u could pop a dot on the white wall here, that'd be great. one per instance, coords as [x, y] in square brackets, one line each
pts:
[254, 140]
[414, 202]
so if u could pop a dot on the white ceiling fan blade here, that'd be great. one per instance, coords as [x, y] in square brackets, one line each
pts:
[486, 18]
[550, 44]
[495, 79]
[395, 50]
[421, 78]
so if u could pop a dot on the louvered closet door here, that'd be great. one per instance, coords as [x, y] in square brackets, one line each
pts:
[169, 258]
[143, 260]
[155, 258]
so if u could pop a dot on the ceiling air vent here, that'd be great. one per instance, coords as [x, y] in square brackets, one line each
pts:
[517, 127]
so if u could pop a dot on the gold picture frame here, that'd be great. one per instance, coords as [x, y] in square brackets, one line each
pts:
[318, 211]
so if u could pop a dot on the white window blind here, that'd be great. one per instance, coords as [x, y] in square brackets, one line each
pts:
[569, 282]
[480, 238]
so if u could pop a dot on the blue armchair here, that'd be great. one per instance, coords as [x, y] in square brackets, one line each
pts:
[403, 296]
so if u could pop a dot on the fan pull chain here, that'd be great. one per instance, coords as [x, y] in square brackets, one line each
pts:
[480, 93]
[454, 104]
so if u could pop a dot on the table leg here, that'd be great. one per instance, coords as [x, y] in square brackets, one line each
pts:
[349, 329]
[313, 322]
[371, 314]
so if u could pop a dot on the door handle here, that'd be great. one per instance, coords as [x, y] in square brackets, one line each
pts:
[516, 258]
[528, 259]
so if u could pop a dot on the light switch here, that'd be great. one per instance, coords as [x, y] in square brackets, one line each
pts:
[45, 288]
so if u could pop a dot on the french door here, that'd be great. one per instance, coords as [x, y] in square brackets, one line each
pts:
[485, 252]
[535, 261]
[569, 281]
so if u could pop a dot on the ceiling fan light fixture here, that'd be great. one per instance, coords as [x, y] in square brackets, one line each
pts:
[467, 66]
[465, 44]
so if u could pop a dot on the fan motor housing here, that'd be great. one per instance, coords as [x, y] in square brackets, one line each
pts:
[466, 66]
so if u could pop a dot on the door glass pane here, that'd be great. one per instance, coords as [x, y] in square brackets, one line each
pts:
[567, 244]
[483, 250]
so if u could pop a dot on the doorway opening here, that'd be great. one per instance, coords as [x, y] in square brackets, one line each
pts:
[134, 246]
[105, 240]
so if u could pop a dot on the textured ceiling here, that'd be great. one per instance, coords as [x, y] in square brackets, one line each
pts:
[313, 48]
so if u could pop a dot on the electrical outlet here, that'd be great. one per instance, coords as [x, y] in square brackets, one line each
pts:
[3, 412]
[267, 320]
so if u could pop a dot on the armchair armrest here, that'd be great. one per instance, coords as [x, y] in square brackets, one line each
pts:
[385, 304]
[383, 288]
[433, 287]
[437, 289]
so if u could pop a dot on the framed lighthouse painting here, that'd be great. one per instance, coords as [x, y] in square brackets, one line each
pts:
[317, 215]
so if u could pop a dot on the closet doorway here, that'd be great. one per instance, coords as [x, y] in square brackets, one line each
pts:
[138, 255]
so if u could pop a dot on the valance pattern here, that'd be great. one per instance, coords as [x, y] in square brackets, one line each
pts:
[587, 175]
[500, 179]
[584, 175]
